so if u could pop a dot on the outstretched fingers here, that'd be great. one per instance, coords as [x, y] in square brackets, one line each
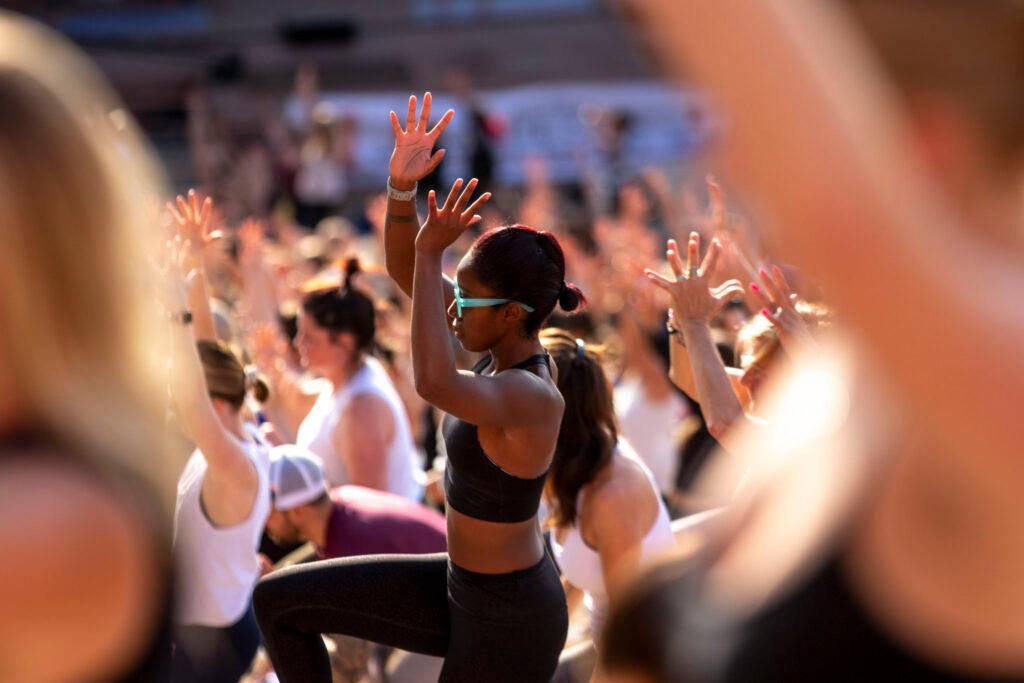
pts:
[395, 125]
[425, 113]
[758, 296]
[467, 192]
[439, 127]
[693, 252]
[707, 269]
[674, 261]
[770, 289]
[453, 196]
[410, 116]
[781, 284]
[435, 160]
[475, 206]
[172, 211]
[659, 280]
[432, 203]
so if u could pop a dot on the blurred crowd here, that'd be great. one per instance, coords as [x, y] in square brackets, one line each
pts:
[735, 483]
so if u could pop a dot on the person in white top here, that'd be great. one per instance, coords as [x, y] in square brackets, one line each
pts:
[223, 494]
[647, 406]
[357, 422]
[607, 518]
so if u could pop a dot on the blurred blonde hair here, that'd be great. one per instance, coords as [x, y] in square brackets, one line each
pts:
[79, 194]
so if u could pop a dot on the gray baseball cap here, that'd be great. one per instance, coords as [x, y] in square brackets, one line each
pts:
[296, 476]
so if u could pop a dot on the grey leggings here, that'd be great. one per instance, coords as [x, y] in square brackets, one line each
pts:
[488, 627]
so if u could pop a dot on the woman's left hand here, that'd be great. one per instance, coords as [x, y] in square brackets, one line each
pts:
[779, 307]
[444, 225]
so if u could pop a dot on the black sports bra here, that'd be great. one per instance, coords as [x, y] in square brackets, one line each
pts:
[477, 487]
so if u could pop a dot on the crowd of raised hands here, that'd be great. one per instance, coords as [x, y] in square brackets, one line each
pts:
[697, 332]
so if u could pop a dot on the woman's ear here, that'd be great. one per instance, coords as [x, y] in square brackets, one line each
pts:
[345, 341]
[513, 314]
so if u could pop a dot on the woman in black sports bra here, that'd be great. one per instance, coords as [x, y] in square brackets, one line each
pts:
[492, 606]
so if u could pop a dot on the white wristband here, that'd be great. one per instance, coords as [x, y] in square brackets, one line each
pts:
[399, 195]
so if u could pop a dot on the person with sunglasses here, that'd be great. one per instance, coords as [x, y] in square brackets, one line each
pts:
[493, 606]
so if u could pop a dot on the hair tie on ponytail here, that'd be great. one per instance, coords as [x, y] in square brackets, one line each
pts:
[252, 375]
[581, 348]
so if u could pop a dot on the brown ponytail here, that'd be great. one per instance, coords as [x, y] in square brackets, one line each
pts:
[588, 434]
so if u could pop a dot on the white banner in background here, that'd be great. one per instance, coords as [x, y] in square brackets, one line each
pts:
[549, 121]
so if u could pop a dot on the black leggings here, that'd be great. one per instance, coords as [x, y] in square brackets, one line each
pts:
[488, 627]
[205, 654]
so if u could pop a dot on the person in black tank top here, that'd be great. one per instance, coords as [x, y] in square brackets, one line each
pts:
[492, 606]
[476, 486]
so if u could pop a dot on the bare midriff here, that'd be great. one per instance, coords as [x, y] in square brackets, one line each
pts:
[493, 547]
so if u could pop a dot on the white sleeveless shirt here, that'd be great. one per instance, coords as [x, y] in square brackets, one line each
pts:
[649, 427]
[581, 564]
[217, 566]
[317, 429]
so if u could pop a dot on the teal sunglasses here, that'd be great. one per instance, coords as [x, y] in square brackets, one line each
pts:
[462, 302]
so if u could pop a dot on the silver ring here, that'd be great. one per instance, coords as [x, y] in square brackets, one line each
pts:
[693, 273]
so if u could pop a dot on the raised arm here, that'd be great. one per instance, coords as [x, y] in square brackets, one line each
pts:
[223, 452]
[411, 161]
[823, 148]
[695, 303]
[507, 399]
[680, 371]
[191, 219]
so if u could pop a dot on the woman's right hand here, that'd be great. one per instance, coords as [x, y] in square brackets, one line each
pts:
[693, 297]
[412, 160]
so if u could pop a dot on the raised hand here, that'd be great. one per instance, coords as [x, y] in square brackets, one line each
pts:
[413, 157]
[778, 303]
[176, 274]
[250, 238]
[267, 346]
[693, 298]
[444, 225]
[193, 220]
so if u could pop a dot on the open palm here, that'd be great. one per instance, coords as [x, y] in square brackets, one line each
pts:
[413, 157]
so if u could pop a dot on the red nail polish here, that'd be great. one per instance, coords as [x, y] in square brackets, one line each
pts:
[754, 287]
[765, 313]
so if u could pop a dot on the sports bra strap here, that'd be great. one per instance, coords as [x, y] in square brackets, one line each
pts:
[538, 359]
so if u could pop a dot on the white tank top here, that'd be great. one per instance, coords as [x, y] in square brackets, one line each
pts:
[581, 564]
[649, 426]
[316, 431]
[217, 566]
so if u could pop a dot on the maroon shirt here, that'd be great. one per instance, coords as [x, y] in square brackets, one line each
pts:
[366, 521]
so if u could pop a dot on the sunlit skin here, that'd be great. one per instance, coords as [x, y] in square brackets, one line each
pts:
[281, 529]
[320, 350]
[477, 329]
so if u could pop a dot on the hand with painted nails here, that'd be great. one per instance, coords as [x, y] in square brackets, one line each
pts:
[444, 225]
[413, 157]
[778, 302]
[693, 297]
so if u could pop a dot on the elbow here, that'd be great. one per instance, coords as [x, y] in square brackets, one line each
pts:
[428, 388]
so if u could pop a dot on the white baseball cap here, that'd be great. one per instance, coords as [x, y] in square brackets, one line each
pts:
[296, 476]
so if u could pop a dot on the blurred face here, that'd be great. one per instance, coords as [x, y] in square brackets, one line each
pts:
[318, 349]
[479, 329]
[281, 528]
[755, 371]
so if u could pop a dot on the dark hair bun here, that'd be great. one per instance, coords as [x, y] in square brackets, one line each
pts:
[258, 386]
[351, 268]
[571, 298]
